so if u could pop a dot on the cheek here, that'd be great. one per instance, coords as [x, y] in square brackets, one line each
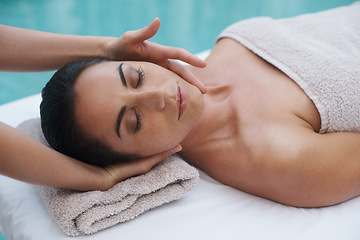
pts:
[159, 138]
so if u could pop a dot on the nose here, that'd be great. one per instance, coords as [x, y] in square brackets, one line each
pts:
[154, 99]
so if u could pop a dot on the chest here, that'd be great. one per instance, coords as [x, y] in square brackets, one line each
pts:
[253, 95]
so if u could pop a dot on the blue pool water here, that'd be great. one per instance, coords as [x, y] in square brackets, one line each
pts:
[191, 24]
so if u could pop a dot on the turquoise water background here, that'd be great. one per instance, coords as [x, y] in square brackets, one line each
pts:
[190, 24]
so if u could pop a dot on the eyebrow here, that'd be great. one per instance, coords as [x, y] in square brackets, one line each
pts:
[122, 76]
[118, 121]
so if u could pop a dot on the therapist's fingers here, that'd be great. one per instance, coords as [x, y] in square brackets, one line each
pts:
[157, 52]
[161, 52]
[186, 74]
[118, 172]
[145, 33]
[144, 165]
[183, 55]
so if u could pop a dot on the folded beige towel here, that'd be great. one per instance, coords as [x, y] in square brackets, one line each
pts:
[81, 213]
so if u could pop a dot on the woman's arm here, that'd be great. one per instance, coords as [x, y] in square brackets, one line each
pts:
[29, 50]
[28, 160]
[307, 169]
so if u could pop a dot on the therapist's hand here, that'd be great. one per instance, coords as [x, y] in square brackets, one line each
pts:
[133, 45]
[115, 173]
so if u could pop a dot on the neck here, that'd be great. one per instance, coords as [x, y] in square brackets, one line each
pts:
[214, 122]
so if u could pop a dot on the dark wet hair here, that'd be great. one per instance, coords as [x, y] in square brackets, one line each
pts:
[58, 121]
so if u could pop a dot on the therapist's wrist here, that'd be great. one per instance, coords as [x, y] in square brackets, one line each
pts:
[87, 178]
[101, 178]
[106, 48]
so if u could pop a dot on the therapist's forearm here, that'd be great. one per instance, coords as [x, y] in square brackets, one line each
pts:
[30, 50]
[28, 160]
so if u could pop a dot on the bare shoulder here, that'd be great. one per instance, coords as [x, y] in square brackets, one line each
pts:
[229, 48]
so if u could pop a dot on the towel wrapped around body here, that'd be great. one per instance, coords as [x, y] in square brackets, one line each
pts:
[81, 213]
[320, 52]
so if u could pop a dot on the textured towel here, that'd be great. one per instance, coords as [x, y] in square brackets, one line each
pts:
[81, 213]
[320, 52]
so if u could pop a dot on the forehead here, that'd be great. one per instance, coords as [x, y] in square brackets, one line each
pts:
[96, 89]
[98, 71]
[94, 82]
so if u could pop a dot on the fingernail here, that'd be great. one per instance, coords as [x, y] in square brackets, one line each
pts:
[176, 149]
[204, 89]
[204, 64]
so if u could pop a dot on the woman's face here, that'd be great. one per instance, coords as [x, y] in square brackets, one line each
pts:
[136, 107]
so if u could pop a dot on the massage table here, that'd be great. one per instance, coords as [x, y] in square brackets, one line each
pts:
[211, 210]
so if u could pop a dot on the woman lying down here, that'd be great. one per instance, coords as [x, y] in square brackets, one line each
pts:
[280, 118]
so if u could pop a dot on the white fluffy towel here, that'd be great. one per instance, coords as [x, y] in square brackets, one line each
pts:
[82, 213]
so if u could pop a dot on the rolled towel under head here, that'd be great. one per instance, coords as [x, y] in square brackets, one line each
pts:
[81, 213]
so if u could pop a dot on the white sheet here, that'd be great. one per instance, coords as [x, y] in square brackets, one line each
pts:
[211, 210]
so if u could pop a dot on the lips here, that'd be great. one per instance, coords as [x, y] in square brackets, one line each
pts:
[181, 101]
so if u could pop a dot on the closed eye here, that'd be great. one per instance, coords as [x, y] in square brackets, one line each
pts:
[141, 74]
[138, 122]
